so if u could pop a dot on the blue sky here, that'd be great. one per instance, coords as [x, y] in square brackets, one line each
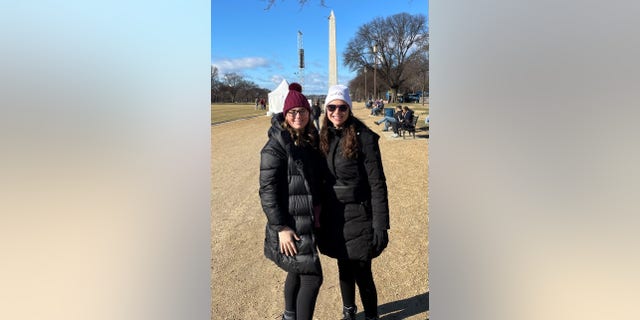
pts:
[262, 45]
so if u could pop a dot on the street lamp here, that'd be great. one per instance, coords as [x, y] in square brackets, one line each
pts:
[365, 85]
[375, 67]
[423, 82]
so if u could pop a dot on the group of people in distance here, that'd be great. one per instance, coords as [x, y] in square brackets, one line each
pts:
[261, 104]
[402, 117]
[323, 192]
[376, 106]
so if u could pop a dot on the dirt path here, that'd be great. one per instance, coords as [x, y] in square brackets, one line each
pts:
[245, 285]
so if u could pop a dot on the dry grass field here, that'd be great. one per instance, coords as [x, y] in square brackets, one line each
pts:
[245, 285]
[224, 112]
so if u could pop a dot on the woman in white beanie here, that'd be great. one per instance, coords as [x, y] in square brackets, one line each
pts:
[355, 212]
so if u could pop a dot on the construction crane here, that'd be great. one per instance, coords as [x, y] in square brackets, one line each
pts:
[300, 59]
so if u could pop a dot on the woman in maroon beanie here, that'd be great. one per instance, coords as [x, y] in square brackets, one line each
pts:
[290, 189]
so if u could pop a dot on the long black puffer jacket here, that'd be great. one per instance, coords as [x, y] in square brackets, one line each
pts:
[289, 188]
[356, 197]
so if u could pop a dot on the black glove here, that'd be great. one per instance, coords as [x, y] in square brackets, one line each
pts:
[380, 241]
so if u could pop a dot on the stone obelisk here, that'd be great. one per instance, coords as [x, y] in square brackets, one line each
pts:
[333, 60]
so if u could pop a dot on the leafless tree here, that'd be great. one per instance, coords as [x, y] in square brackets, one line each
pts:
[400, 40]
[233, 83]
[214, 76]
[215, 84]
[234, 88]
[417, 74]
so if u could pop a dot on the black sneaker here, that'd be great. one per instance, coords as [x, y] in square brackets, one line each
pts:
[289, 315]
[349, 313]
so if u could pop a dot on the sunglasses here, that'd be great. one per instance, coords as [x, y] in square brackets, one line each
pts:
[301, 112]
[342, 107]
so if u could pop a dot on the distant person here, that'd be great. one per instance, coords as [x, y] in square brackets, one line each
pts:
[290, 190]
[406, 121]
[355, 213]
[257, 103]
[316, 111]
[407, 114]
[389, 121]
[262, 104]
[377, 107]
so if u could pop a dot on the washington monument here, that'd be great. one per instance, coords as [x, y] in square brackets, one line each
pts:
[333, 61]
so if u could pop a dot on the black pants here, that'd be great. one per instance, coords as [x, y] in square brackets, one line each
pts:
[300, 294]
[354, 272]
[395, 127]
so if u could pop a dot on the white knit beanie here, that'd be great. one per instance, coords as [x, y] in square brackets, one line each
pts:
[338, 92]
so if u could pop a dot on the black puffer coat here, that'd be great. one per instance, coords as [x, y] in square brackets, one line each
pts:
[356, 197]
[289, 188]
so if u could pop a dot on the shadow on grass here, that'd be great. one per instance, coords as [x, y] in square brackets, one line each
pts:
[403, 309]
[422, 132]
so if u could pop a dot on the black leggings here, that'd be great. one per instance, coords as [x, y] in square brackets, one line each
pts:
[300, 294]
[354, 272]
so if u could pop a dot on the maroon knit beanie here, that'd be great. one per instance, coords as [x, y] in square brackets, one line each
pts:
[295, 98]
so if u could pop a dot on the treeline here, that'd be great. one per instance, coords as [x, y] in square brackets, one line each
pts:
[233, 88]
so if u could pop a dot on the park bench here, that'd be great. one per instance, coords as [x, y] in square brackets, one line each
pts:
[411, 128]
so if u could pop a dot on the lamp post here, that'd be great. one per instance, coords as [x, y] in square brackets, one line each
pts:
[375, 66]
[423, 82]
[365, 84]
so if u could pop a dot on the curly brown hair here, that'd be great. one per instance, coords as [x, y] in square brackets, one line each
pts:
[307, 136]
[349, 143]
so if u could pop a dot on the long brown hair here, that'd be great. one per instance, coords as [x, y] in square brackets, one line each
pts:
[349, 143]
[307, 136]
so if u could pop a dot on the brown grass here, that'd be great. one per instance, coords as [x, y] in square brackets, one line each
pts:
[245, 285]
[229, 111]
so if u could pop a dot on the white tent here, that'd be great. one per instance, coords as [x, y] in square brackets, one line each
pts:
[277, 96]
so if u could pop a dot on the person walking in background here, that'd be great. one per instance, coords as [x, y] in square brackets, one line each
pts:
[290, 194]
[355, 214]
[257, 102]
[317, 112]
[262, 104]
[391, 120]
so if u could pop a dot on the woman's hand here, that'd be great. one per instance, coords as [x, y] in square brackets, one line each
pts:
[287, 241]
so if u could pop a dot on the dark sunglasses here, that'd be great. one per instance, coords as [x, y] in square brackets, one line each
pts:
[342, 107]
[294, 113]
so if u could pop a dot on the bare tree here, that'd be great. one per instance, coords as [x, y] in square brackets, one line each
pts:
[398, 40]
[214, 76]
[417, 74]
[233, 83]
[234, 88]
[215, 84]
